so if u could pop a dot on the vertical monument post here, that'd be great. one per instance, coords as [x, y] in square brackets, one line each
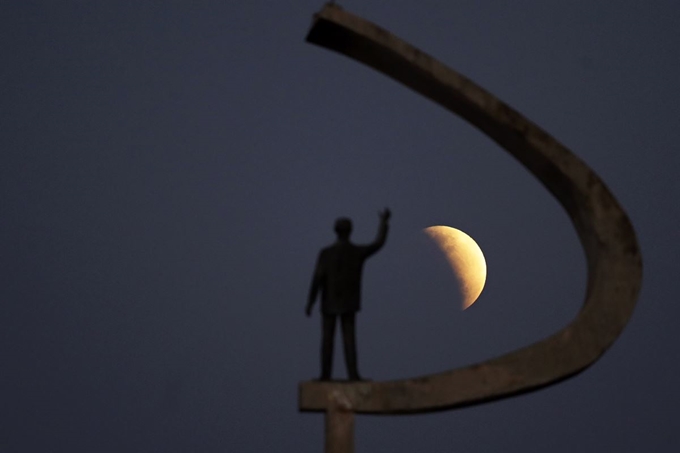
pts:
[339, 424]
[605, 232]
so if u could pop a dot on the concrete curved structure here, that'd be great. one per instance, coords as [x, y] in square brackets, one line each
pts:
[607, 236]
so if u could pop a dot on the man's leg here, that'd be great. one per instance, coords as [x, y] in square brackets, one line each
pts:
[328, 332]
[348, 337]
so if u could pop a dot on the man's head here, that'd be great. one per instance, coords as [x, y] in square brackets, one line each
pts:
[343, 227]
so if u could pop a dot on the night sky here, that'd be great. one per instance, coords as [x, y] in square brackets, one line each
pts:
[170, 170]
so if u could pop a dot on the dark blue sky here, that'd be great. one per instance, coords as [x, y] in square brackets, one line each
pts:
[169, 171]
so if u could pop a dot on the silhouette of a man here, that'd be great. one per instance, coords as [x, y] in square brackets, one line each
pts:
[338, 277]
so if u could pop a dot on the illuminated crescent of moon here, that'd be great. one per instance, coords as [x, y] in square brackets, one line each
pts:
[607, 236]
[466, 260]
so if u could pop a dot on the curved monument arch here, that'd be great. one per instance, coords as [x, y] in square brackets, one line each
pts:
[612, 252]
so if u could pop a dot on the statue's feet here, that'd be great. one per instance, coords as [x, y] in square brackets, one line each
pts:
[354, 378]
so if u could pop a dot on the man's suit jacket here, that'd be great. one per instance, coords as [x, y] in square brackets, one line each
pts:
[338, 274]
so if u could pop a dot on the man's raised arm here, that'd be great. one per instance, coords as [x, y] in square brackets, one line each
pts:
[382, 232]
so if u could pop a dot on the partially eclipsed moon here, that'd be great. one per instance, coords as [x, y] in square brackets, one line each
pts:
[466, 260]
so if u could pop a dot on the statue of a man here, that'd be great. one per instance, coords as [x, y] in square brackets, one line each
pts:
[338, 277]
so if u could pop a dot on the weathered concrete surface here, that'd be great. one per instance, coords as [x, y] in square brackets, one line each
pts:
[612, 253]
[339, 424]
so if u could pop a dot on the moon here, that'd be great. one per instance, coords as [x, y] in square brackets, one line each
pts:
[466, 260]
